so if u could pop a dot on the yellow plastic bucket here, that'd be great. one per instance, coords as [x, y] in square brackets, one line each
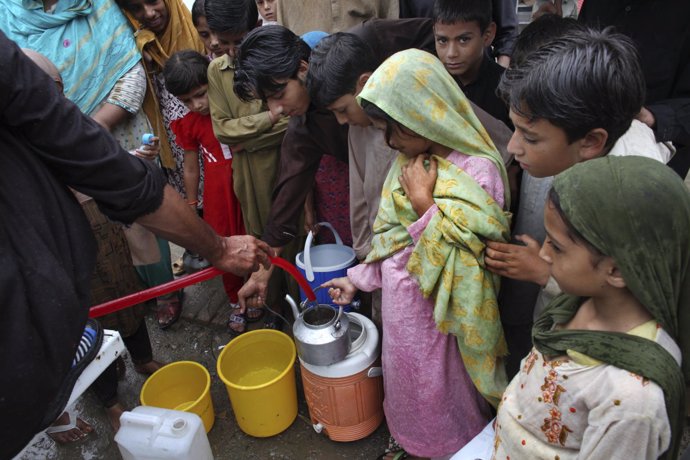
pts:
[184, 386]
[258, 370]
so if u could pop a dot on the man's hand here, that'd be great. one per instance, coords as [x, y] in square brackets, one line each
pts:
[517, 262]
[253, 293]
[243, 254]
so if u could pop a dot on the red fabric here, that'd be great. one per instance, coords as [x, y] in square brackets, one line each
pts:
[221, 207]
[332, 199]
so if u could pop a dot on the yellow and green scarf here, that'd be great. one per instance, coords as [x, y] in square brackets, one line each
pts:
[414, 88]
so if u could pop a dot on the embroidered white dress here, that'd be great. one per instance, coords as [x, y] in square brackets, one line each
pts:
[574, 407]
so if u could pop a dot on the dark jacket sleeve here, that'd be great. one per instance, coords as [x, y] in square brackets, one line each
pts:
[660, 30]
[506, 21]
[303, 145]
[74, 148]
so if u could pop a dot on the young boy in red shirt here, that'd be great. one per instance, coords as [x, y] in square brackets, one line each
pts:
[185, 78]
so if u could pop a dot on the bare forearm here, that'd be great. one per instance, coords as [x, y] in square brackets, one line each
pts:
[191, 175]
[178, 222]
[110, 115]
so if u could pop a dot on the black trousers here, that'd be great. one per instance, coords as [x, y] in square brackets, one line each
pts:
[139, 347]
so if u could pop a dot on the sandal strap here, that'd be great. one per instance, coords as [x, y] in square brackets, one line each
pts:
[238, 319]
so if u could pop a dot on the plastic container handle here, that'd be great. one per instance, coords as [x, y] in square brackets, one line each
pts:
[150, 421]
[307, 248]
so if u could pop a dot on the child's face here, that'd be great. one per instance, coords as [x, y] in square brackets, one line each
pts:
[574, 266]
[196, 100]
[294, 98]
[461, 46]
[152, 14]
[541, 148]
[229, 42]
[209, 38]
[403, 140]
[267, 9]
[346, 110]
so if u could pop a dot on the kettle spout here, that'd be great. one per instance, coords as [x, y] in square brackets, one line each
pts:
[295, 310]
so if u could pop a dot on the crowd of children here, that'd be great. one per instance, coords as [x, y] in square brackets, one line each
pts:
[563, 340]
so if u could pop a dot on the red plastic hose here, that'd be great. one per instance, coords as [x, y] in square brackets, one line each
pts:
[202, 275]
[292, 270]
[146, 294]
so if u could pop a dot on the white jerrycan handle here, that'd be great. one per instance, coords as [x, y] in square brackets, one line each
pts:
[307, 249]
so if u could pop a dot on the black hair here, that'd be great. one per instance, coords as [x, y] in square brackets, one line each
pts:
[267, 54]
[583, 80]
[231, 16]
[539, 32]
[335, 65]
[450, 11]
[375, 112]
[555, 201]
[184, 71]
[198, 11]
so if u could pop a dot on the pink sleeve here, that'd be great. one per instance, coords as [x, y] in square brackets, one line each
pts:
[366, 277]
[486, 174]
[417, 227]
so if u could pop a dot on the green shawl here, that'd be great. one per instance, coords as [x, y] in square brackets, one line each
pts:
[414, 88]
[637, 211]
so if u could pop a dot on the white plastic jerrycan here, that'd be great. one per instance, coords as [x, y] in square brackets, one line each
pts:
[148, 433]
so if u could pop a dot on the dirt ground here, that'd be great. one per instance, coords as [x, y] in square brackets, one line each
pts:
[202, 343]
[201, 339]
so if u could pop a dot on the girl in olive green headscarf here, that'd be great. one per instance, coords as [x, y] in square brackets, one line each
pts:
[604, 378]
[444, 196]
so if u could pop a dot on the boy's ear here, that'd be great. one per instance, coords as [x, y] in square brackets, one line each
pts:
[593, 145]
[489, 34]
[302, 70]
[614, 277]
[361, 81]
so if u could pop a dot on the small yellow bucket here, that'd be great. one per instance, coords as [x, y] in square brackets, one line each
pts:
[184, 386]
[258, 370]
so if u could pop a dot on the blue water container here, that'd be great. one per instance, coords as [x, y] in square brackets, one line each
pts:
[324, 262]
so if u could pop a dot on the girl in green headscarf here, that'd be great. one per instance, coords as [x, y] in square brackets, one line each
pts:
[444, 196]
[604, 378]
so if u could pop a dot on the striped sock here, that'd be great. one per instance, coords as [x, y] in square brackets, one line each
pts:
[88, 338]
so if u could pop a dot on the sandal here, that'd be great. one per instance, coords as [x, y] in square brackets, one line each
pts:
[273, 322]
[178, 267]
[73, 430]
[237, 319]
[254, 314]
[168, 311]
[394, 451]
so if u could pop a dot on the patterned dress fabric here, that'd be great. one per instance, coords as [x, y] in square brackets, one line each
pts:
[432, 407]
[414, 88]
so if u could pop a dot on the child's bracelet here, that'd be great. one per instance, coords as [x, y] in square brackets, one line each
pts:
[193, 203]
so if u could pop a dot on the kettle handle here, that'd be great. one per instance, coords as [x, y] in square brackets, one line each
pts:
[307, 249]
[336, 325]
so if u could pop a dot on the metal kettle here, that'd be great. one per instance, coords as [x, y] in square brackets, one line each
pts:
[321, 333]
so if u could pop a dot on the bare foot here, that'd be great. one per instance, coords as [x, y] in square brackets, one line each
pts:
[114, 412]
[148, 368]
[64, 430]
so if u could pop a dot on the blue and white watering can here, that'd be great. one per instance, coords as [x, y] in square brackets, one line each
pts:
[324, 262]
